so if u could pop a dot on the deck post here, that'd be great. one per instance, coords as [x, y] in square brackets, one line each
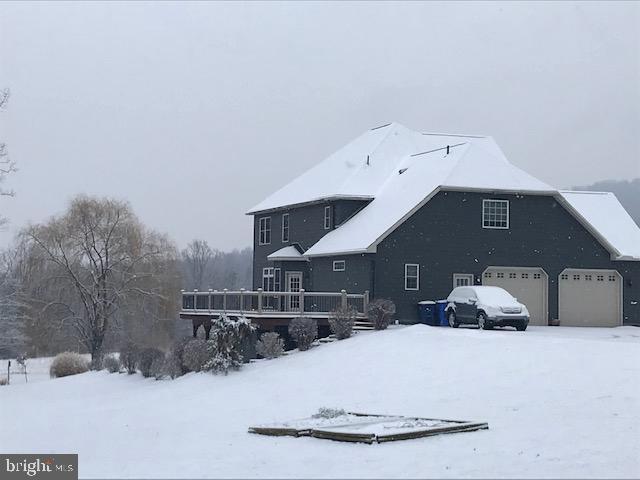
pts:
[241, 300]
[224, 300]
[259, 300]
[195, 299]
[210, 300]
[365, 302]
[301, 301]
[343, 294]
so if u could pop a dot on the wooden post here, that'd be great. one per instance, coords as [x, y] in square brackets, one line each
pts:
[259, 300]
[302, 301]
[344, 298]
[224, 300]
[365, 302]
[241, 299]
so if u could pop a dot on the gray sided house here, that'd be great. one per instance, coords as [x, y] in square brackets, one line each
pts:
[408, 216]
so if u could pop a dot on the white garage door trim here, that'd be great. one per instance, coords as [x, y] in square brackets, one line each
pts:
[532, 270]
[583, 271]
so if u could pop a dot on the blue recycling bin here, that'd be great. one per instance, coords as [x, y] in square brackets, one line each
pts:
[427, 312]
[441, 312]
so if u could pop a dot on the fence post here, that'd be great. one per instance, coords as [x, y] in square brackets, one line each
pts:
[302, 301]
[343, 293]
[259, 300]
[241, 299]
[224, 300]
[365, 302]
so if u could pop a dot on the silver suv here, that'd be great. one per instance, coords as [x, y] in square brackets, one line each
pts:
[486, 307]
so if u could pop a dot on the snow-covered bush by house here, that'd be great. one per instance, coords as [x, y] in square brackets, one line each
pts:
[129, 357]
[324, 412]
[68, 363]
[175, 362]
[380, 313]
[195, 354]
[341, 321]
[227, 338]
[304, 331]
[146, 358]
[159, 368]
[111, 363]
[270, 345]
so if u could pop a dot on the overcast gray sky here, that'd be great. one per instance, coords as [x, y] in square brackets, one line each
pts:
[194, 112]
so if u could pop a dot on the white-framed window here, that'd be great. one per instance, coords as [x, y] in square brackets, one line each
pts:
[495, 214]
[411, 276]
[271, 279]
[327, 217]
[462, 279]
[285, 227]
[265, 231]
[339, 266]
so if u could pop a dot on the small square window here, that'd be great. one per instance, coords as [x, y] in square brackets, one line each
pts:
[588, 278]
[500, 275]
[525, 275]
[339, 266]
[487, 275]
[564, 276]
[536, 276]
[576, 277]
[612, 278]
[600, 278]
[495, 214]
[512, 275]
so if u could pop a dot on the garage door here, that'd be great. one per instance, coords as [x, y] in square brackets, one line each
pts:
[528, 285]
[590, 298]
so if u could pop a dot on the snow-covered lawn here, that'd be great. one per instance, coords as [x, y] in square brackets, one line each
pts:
[560, 402]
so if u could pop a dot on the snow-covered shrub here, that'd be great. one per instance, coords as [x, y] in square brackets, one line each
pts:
[341, 321]
[380, 313]
[195, 354]
[175, 364]
[68, 363]
[304, 331]
[159, 368]
[146, 358]
[226, 343]
[325, 412]
[111, 363]
[129, 354]
[270, 345]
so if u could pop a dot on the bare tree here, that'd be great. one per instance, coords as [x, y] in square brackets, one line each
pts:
[7, 165]
[12, 331]
[199, 258]
[94, 259]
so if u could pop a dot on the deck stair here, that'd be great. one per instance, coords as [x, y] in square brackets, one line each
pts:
[363, 325]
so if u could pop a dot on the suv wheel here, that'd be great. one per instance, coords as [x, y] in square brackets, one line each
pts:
[483, 323]
[521, 327]
[453, 323]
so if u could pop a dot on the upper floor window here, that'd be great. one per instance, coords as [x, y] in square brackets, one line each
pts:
[495, 214]
[411, 276]
[285, 227]
[327, 217]
[339, 266]
[265, 231]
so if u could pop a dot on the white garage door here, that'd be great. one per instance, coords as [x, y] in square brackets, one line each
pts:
[528, 285]
[590, 298]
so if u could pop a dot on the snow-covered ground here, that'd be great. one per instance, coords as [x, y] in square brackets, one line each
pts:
[560, 402]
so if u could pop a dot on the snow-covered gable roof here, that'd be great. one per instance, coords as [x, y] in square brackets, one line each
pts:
[610, 221]
[472, 163]
[289, 253]
[399, 170]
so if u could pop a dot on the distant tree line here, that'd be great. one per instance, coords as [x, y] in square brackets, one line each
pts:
[96, 276]
[627, 192]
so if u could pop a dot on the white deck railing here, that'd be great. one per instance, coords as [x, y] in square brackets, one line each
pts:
[259, 302]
